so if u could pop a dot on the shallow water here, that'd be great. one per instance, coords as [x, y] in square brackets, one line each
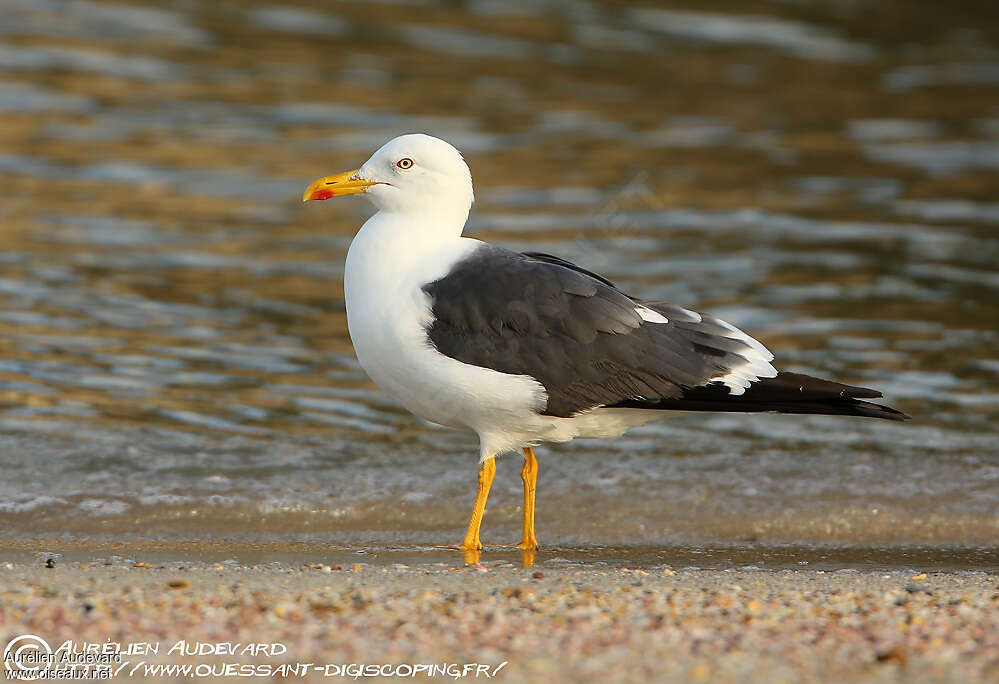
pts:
[174, 360]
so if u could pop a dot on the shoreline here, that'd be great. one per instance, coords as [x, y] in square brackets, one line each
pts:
[563, 624]
[752, 555]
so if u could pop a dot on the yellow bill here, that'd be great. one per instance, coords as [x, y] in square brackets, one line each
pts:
[346, 183]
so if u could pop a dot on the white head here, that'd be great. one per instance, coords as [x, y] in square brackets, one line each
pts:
[413, 173]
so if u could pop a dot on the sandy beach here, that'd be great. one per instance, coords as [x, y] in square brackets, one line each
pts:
[315, 622]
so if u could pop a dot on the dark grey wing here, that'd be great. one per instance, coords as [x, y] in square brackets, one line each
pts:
[586, 342]
[559, 261]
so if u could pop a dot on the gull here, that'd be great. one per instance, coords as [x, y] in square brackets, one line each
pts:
[527, 348]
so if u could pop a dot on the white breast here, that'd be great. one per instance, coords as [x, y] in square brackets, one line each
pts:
[388, 314]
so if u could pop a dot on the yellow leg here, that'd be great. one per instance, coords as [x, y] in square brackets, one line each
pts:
[529, 474]
[486, 474]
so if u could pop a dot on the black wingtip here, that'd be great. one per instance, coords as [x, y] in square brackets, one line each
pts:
[870, 410]
[786, 393]
[861, 393]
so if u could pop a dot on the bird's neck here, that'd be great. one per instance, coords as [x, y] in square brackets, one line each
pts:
[393, 256]
[414, 232]
[390, 246]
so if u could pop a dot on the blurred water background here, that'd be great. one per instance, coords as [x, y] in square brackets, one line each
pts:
[174, 360]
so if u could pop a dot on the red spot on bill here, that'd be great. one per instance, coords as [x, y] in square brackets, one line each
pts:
[321, 194]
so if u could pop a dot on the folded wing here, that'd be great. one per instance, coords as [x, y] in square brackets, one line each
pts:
[585, 341]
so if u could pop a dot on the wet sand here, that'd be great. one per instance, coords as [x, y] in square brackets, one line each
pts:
[559, 624]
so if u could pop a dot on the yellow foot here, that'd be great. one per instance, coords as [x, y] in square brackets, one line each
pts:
[470, 556]
[527, 557]
[529, 474]
[486, 474]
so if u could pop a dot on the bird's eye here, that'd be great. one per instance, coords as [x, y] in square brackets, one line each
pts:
[404, 163]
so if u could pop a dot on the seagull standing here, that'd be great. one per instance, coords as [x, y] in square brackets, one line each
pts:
[525, 348]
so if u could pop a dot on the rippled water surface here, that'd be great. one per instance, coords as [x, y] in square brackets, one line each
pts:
[174, 359]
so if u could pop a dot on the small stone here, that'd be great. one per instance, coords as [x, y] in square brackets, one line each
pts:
[700, 673]
[537, 575]
[896, 655]
[178, 584]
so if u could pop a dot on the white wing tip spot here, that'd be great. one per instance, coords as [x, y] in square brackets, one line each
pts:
[757, 364]
[649, 315]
